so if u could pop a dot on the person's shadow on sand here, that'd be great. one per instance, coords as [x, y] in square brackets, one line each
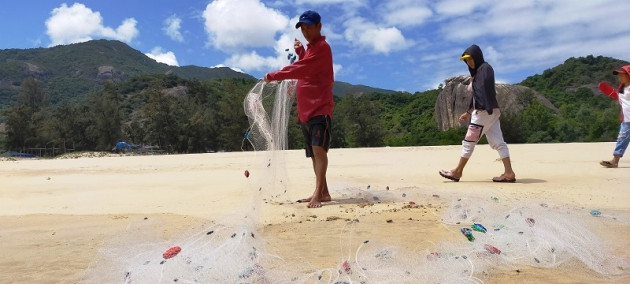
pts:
[359, 200]
[530, 180]
[518, 180]
[350, 200]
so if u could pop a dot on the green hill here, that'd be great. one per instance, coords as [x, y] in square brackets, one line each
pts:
[584, 113]
[90, 95]
[69, 72]
[342, 89]
[574, 73]
[203, 73]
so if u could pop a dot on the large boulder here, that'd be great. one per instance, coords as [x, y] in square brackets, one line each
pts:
[455, 99]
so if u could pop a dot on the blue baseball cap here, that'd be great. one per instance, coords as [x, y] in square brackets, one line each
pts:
[310, 18]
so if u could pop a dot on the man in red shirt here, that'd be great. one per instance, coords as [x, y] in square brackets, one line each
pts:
[314, 73]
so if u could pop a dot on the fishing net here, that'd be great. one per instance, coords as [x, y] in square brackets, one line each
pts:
[511, 235]
[505, 235]
[479, 236]
[230, 249]
[268, 107]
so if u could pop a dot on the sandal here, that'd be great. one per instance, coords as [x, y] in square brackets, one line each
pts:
[607, 164]
[448, 175]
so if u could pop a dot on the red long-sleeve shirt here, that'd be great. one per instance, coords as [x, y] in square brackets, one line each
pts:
[314, 72]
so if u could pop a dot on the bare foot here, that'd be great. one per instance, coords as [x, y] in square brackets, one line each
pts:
[304, 200]
[505, 178]
[326, 198]
[315, 203]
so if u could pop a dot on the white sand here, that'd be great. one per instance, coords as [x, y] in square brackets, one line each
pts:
[57, 214]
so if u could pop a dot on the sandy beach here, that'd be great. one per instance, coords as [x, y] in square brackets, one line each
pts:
[62, 218]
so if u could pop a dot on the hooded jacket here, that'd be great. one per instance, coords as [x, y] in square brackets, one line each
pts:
[484, 93]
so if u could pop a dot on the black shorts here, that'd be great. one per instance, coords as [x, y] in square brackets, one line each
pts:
[317, 133]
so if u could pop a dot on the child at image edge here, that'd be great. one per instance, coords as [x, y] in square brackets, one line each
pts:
[623, 97]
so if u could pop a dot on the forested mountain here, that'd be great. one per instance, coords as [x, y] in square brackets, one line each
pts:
[68, 73]
[584, 113]
[341, 89]
[103, 92]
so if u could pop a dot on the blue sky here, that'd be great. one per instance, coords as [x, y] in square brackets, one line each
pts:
[406, 45]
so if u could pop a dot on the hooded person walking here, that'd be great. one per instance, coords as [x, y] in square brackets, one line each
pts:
[484, 114]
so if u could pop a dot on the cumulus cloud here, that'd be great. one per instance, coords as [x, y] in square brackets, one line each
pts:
[374, 38]
[517, 37]
[518, 18]
[79, 23]
[252, 61]
[543, 33]
[172, 26]
[160, 55]
[408, 16]
[337, 68]
[458, 7]
[242, 24]
[404, 13]
[255, 36]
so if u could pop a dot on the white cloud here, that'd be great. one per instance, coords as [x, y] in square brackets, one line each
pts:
[172, 26]
[384, 40]
[490, 54]
[285, 42]
[252, 61]
[374, 38]
[458, 7]
[403, 13]
[162, 56]
[240, 24]
[519, 18]
[520, 36]
[78, 23]
[337, 68]
[408, 16]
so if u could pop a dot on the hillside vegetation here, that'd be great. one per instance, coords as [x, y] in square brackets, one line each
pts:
[48, 104]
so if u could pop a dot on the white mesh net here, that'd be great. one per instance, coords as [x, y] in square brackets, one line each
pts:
[517, 238]
[268, 107]
[508, 235]
[269, 133]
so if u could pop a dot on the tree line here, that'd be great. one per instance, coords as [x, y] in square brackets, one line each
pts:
[191, 116]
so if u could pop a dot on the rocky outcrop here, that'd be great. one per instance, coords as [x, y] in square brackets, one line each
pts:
[455, 99]
[35, 71]
[108, 73]
[178, 91]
